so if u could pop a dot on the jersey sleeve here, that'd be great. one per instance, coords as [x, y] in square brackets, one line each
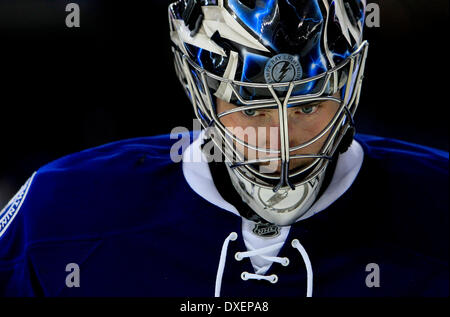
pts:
[15, 275]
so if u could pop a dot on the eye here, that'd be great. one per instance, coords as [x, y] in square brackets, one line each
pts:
[250, 113]
[308, 109]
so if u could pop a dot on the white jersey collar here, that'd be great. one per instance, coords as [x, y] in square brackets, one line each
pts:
[198, 175]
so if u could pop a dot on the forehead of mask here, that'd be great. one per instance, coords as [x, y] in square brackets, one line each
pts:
[287, 28]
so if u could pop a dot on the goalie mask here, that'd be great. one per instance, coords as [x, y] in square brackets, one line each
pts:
[274, 59]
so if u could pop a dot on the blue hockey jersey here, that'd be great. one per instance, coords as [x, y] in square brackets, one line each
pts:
[127, 215]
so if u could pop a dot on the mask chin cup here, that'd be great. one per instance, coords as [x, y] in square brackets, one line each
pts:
[281, 208]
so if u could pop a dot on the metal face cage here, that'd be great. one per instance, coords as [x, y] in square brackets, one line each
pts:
[197, 84]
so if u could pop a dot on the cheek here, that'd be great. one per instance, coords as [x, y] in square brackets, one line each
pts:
[228, 121]
[236, 126]
[301, 131]
[315, 147]
[234, 122]
[305, 129]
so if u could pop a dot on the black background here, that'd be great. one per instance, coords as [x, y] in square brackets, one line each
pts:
[66, 89]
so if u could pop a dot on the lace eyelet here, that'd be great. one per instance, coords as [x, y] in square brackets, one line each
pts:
[238, 256]
[274, 279]
[233, 236]
[286, 262]
[244, 276]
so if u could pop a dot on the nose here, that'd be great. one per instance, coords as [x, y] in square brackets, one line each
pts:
[273, 140]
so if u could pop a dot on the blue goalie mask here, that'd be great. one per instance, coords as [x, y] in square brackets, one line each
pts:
[260, 55]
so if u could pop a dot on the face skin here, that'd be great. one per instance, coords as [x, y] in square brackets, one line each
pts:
[305, 122]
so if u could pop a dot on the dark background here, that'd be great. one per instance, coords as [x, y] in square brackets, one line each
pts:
[66, 89]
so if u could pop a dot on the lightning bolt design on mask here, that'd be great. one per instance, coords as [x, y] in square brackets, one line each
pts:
[283, 71]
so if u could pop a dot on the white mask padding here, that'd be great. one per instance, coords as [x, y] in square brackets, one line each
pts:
[225, 91]
[219, 19]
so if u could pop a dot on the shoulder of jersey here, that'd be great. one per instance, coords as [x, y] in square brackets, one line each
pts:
[390, 149]
[165, 148]
[101, 185]
[408, 184]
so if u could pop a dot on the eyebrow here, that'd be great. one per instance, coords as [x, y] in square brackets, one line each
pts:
[312, 103]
